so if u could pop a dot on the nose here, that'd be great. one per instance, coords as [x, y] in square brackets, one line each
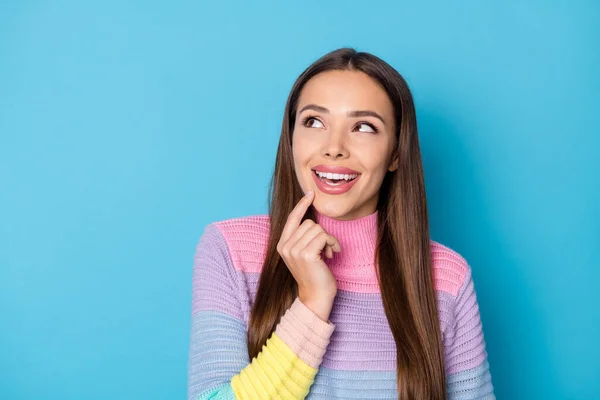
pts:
[334, 147]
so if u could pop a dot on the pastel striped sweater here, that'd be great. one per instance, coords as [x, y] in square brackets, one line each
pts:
[351, 356]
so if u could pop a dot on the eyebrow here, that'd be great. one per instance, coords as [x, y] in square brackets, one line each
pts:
[354, 113]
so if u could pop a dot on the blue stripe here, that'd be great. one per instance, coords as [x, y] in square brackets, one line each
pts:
[475, 383]
[218, 351]
[344, 384]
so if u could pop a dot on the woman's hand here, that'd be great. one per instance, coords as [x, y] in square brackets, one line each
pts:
[300, 246]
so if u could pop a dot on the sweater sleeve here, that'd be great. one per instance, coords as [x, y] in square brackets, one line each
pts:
[466, 364]
[218, 362]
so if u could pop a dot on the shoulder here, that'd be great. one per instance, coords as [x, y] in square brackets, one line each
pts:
[241, 232]
[245, 239]
[241, 226]
[450, 269]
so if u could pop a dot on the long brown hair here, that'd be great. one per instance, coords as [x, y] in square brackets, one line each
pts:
[403, 255]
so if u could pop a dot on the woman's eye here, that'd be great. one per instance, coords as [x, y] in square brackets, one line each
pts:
[369, 128]
[316, 121]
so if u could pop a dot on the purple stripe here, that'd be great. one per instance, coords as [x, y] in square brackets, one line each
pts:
[362, 339]
[214, 282]
[467, 348]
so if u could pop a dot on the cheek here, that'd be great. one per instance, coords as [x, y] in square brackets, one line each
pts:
[376, 163]
[300, 159]
[373, 158]
[297, 156]
[300, 150]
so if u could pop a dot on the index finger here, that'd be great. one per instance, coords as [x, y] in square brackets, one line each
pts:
[295, 217]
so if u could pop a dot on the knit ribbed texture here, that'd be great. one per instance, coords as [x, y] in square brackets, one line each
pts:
[305, 333]
[275, 373]
[351, 356]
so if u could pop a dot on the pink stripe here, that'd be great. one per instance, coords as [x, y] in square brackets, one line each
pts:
[449, 268]
[305, 333]
[247, 240]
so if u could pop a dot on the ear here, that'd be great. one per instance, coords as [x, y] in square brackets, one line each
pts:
[393, 164]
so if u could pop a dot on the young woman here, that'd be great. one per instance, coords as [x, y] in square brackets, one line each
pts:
[339, 292]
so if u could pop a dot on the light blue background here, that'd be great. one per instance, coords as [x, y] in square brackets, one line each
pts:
[126, 127]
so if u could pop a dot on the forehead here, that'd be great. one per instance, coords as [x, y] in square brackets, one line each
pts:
[341, 91]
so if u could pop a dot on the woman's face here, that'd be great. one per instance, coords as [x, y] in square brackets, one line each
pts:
[344, 119]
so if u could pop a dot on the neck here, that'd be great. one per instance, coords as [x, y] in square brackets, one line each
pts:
[358, 238]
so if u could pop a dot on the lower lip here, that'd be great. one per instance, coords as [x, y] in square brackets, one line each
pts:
[325, 188]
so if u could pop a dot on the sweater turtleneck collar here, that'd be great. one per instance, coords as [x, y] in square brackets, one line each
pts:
[354, 266]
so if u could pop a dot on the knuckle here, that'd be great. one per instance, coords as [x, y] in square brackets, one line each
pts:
[284, 251]
[281, 246]
[305, 255]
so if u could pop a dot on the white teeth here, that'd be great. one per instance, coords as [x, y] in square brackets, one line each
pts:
[330, 175]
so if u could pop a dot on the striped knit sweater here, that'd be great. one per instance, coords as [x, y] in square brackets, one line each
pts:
[351, 356]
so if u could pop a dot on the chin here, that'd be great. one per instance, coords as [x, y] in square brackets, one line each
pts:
[330, 209]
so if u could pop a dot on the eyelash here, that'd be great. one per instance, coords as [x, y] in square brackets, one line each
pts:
[309, 117]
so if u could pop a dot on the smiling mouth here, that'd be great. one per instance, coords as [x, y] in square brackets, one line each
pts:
[332, 179]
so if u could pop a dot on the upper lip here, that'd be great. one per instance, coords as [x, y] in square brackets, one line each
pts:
[334, 169]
